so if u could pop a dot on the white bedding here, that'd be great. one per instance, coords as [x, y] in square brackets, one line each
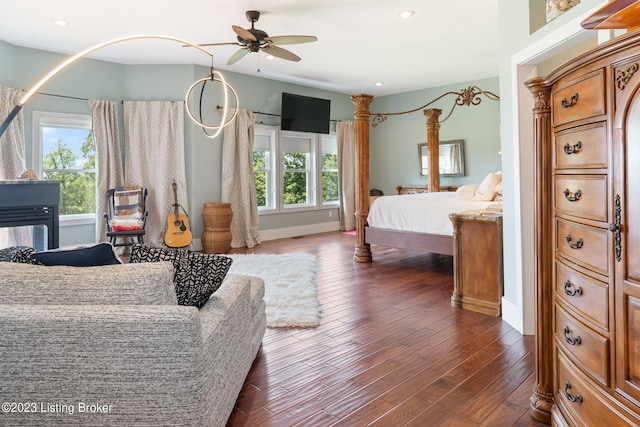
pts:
[422, 213]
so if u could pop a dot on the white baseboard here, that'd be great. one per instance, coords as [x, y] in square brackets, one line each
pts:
[512, 314]
[283, 233]
[302, 230]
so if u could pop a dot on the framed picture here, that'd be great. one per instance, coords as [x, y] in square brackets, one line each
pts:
[451, 155]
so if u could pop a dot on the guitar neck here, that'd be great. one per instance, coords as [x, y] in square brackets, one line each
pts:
[175, 201]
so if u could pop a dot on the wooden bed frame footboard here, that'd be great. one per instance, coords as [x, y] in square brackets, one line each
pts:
[433, 243]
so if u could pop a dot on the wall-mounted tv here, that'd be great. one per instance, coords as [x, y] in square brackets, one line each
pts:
[304, 113]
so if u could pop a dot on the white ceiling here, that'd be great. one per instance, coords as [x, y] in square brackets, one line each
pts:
[360, 42]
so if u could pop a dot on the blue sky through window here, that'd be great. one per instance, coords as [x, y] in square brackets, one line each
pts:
[73, 138]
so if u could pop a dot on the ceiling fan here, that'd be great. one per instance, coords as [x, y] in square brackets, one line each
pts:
[254, 40]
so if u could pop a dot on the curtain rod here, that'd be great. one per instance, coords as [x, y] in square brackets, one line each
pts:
[266, 114]
[60, 96]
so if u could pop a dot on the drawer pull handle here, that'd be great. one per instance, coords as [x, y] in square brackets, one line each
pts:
[568, 149]
[577, 245]
[570, 290]
[615, 227]
[572, 197]
[567, 104]
[572, 341]
[569, 396]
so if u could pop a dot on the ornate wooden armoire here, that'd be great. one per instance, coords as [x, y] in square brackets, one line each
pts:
[587, 156]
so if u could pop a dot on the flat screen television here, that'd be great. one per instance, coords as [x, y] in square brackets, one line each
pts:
[304, 113]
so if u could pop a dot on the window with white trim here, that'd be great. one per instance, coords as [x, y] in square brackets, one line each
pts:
[294, 170]
[64, 150]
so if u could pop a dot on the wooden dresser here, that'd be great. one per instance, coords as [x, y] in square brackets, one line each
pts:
[587, 143]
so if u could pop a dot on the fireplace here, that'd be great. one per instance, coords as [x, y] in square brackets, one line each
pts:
[31, 203]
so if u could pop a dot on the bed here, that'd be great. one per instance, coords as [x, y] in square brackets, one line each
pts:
[421, 221]
[415, 216]
[368, 234]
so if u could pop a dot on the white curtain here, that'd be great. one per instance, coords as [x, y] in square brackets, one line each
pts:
[154, 158]
[238, 181]
[346, 135]
[12, 159]
[454, 156]
[104, 118]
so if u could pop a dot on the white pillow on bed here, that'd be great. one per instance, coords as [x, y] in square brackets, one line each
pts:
[467, 191]
[487, 188]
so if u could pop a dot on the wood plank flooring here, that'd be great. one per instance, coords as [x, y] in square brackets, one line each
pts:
[391, 351]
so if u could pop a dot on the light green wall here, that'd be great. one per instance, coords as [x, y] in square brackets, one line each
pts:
[394, 142]
[94, 79]
[515, 22]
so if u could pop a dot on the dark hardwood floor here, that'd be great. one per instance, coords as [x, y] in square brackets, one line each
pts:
[390, 351]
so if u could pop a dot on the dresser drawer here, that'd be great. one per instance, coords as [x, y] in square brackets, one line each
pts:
[587, 296]
[582, 195]
[583, 244]
[579, 99]
[582, 147]
[589, 349]
[583, 403]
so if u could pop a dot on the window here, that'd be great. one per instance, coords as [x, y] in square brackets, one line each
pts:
[64, 151]
[297, 157]
[294, 170]
[330, 189]
[264, 167]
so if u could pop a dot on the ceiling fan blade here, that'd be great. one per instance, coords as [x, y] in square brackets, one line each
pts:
[215, 44]
[280, 53]
[240, 53]
[244, 34]
[282, 40]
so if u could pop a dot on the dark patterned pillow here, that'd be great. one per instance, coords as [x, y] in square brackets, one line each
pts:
[23, 256]
[6, 254]
[197, 276]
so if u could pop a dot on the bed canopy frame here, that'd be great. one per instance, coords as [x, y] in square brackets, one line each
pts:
[364, 235]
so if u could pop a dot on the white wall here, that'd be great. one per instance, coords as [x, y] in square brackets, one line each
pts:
[520, 53]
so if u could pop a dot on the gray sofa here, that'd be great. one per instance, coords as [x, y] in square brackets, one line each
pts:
[110, 346]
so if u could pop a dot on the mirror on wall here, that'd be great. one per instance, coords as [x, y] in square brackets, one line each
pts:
[451, 158]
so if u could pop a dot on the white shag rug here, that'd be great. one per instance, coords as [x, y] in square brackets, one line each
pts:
[291, 295]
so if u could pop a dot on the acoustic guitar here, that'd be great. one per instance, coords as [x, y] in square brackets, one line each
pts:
[178, 234]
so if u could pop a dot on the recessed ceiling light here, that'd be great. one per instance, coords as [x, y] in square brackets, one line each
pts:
[379, 83]
[60, 22]
[407, 13]
[270, 57]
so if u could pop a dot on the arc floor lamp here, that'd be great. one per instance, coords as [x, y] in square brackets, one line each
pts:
[215, 76]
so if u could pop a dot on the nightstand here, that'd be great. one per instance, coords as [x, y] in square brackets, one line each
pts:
[478, 282]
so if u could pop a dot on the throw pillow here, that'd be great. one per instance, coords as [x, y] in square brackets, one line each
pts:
[23, 256]
[466, 192]
[6, 254]
[486, 190]
[197, 276]
[84, 256]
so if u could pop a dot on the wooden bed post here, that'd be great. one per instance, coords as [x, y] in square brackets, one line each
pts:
[362, 251]
[433, 142]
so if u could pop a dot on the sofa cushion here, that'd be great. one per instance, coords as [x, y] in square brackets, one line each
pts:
[134, 284]
[84, 256]
[197, 275]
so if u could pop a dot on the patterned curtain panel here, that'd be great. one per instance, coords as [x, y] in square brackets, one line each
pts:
[347, 173]
[104, 118]
[154, 158]
[238, 181]
[12, 160]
